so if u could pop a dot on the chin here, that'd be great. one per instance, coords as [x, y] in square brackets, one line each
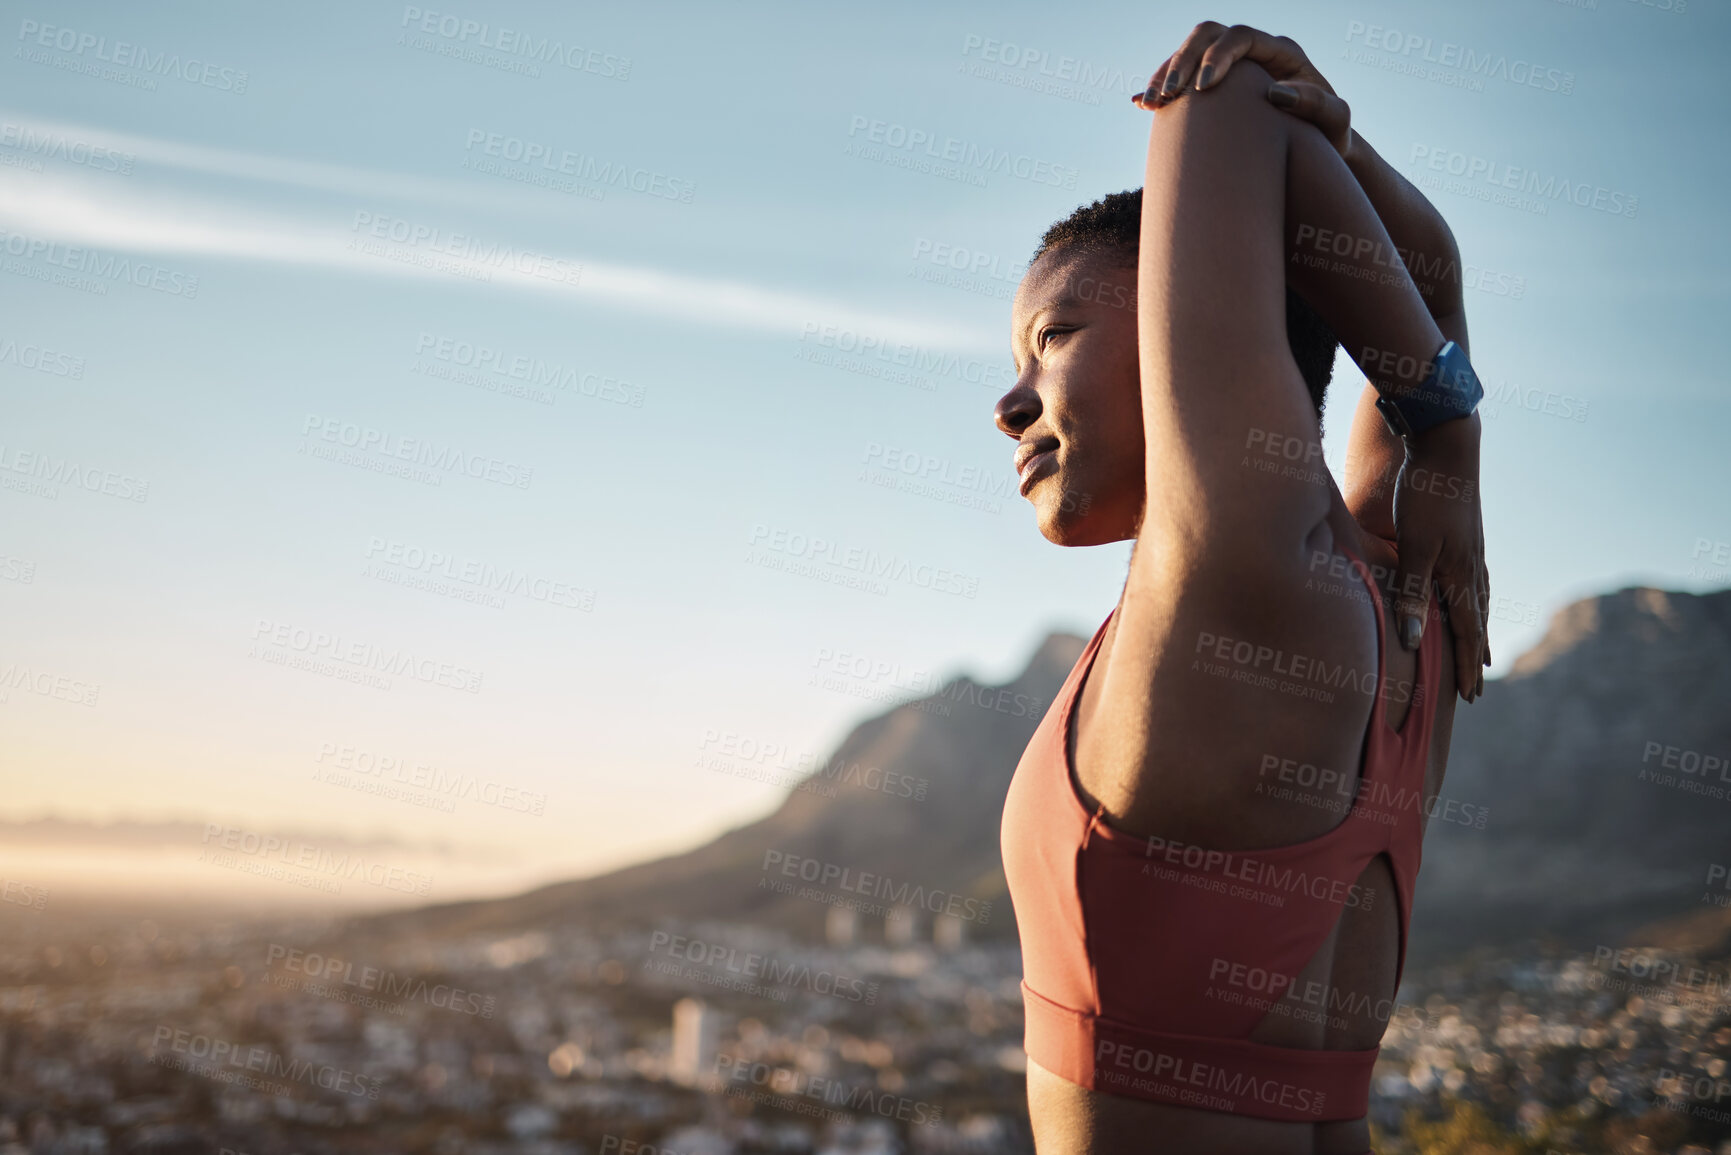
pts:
[1064, 535]
[1065, 520]
[1067, 526]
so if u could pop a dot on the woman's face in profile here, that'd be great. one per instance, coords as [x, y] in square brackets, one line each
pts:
[1076, 406]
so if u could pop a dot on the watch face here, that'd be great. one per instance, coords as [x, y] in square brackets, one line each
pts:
[1459, 378]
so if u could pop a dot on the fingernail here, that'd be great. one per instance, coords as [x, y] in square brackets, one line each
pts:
[1281, 96]
[1149, 97]
[1411, 629]
[1204, 76]
[1171, 84]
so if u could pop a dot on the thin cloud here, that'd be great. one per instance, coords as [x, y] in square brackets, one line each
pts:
[89, 210]
[253, 166]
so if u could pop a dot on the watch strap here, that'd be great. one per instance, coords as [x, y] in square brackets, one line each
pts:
[1450, 390]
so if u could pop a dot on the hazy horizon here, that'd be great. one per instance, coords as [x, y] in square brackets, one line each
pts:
[132, 859]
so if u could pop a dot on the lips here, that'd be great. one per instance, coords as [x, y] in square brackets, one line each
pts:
[1035, 460]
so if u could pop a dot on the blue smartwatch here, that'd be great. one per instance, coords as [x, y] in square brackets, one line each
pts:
[1451, 389]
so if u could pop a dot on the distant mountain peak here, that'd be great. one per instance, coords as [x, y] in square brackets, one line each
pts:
[1639, 614]
[1057, 654]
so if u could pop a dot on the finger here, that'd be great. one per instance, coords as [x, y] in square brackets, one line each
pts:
[1485, 608]
[1475, 567]
[1470, 633]
[1184, 61]
[1278, 54]
[1484, 623]
[1151, 97]
[1412, 585]
[1314, 103]
[1460, 581]
[1485, 582]
[1228, 48]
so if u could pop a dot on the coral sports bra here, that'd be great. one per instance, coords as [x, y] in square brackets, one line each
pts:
[1147, 964]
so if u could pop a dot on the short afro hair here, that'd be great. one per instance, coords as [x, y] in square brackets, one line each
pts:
[1114, 224]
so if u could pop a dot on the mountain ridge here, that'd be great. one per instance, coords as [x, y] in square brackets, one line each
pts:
[1578, 844]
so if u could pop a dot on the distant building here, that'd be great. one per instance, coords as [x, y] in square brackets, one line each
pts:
[696, 1037]
[899, 926]
[860, 1137]
[948, 932]
[840, 926]
[696, 1140]
[531, 1121]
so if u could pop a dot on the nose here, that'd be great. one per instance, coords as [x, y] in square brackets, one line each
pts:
[1017, 409]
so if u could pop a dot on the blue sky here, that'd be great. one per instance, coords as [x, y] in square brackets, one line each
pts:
[319, 335]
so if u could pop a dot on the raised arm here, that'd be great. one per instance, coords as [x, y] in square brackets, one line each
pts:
[1221, 599]
[1378, 462]
[1375, 458]
[1235, 202]
[1419, 233]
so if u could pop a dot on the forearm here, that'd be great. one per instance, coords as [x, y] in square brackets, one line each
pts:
[1343, 263]
[1421, 237]
[1374, 457]
[1427, 246]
